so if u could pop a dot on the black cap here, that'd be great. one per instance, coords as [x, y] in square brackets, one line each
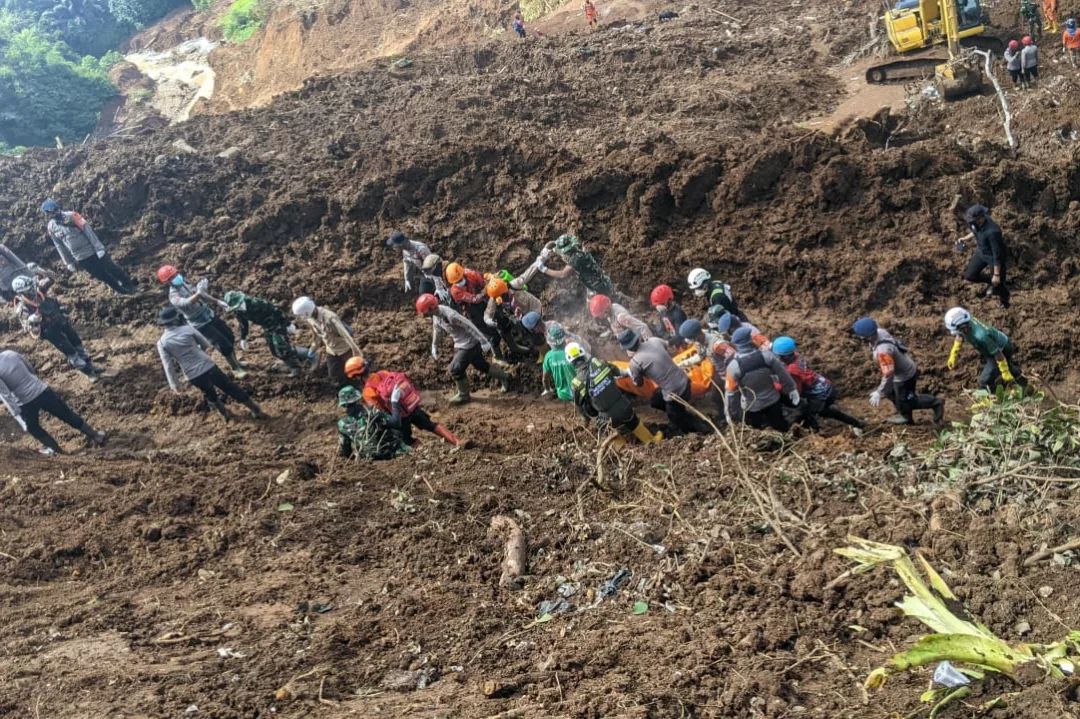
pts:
[168, 316]
[397, 237]
[628, 339]
[974, 212]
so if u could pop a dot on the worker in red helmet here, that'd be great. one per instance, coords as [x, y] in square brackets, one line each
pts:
[395, 394]
[1029, 62]
[1012, 61]
[470, 345]
[617, 317]
[670, 315]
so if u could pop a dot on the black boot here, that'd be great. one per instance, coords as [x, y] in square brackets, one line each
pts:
[221, 409]
[93, 435]
[255, 410]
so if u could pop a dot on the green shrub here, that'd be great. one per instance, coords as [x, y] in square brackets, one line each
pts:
[141, 12]
[533, 9]
[202, 5]
[242, 20]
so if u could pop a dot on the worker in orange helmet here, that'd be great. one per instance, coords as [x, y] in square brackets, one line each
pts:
[395, 394]
[505, 310]
[467, 293]
[618, 317]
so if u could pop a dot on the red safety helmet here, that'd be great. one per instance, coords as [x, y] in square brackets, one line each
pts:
[165, 274]
[599, 306]
[661, 295]
[1026, 40]
[426, 304]
[1014, 44]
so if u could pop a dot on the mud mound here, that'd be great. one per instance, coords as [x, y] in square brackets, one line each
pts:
[190, 564]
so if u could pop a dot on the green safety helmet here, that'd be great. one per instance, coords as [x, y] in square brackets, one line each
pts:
[565, 243]
[556, 335]
[348, 395]
[235, 300]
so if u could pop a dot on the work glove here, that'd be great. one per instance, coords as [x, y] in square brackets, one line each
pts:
[244, 345]
[202, 285]
[434, 352]
[486, 348]
[22, 422]
[1006, 373]
[70, 268]
[875, 398]
[395, 396]
[100, 254]
[291, 329]
[545, 255]
[541, 266]
[954, 354]
[408, 286]
[794, 397]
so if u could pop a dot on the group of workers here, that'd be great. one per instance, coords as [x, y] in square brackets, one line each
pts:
[1022, 57]
[493, 322]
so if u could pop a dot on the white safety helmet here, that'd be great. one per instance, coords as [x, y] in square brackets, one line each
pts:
[956, 318]
[575, 353]
[697, 279]
[23, 284]
[303, 307]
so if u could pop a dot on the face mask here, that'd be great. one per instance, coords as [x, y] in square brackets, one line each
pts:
[178, 281]
[661, 308]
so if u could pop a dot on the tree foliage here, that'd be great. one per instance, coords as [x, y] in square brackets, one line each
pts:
[242, 20]
[86, 26]
[141, 12]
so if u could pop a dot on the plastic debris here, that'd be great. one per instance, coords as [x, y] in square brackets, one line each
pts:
[612, 586]
[641, 607]
[949, 676]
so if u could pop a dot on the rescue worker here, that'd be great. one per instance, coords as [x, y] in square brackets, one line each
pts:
[250, 310]
[994, 348]
[1029, 61]
[365, 432]
[710, 346]
[518, 24]
[470, 344]
[395, 394]
[578, 262]
[26, 397]
[412, 256]
[715, 292]
[432, 282]
[79, 247]
[183, 346]
[1050, 15]
[591, 15]
[194, 305]
[751, 385]
[1032, 16]
[42, 317]
[467, 292]
[1012, 62]
[356, 369]
[334, 339]
[990, 252]
[598, 397]
[649, 358]
[10, 268]
[1070, 41]
[504, 311]
[817, 392]
[668, 312]
[557, 374]
[727, 324]
[899, 374]
[618, 318]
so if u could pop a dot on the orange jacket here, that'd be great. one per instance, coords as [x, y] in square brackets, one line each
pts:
[1071, 42]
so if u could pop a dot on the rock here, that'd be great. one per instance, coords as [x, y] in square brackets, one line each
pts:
[407, 680]
[181, 146]
[230, 152]
[1045, 591]
[153, 534]
[283, 477]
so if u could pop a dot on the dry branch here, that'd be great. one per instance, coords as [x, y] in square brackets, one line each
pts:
[514, 561]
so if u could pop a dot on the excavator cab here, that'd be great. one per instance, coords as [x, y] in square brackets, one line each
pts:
[916, 24]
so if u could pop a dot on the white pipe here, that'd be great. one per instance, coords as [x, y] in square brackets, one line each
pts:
[1001, 96]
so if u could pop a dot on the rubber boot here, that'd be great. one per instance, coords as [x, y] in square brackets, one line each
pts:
[841, 416]
[500, 374]
[462, 395]
[929, 401]
[220, 407]
[237, 369]
[93, 435]
[447, 435]
[644, 435]
[256, 410]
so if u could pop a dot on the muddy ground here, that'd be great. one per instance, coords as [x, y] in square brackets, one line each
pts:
[181, 572]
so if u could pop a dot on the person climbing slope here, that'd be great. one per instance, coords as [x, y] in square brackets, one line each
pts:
[578, 262]
[591, 16]
[42, 317]
[470, 344]
[250, 310]
[79, 247]
[990, 253]
[334, 339]
[715, 292]
[899, 373]
[413, 254]
[994, 347]
[618, 318]
[194, 305]
[26, 397]
[818, 393]
[395, 394]
[183, 346]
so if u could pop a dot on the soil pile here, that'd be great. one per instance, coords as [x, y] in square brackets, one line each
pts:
[244, 570]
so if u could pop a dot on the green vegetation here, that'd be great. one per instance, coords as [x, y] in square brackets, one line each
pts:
[242, 20]
[532, 9]
[202, 5]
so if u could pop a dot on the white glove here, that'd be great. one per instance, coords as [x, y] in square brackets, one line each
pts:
[291, 329]
[542, 267]
[100, 254]
[22, 422]
[244, 345]
[408, 286]
[434, 352]
[395, 396]
[794, 397]
[70, 268]
[545, 393]
[34, 319]
[545, 255]
[203, 285]
[875, 398]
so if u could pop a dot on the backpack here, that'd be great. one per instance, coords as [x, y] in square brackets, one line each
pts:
[371, 435]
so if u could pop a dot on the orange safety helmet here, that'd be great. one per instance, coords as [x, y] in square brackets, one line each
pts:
[371, 396]
[496, 287]
[166, 273]
[454, 273]
[426, 304]
[599, 306]
[355, 367]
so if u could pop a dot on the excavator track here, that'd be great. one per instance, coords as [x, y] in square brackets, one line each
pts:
[923, 64]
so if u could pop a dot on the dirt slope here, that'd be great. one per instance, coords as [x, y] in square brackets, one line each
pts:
[134, 577]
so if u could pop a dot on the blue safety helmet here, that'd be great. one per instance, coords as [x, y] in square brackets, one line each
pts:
[743, 338]
[865, 327]
[783, 346]
[49, 206]
[530, 320]
[725, 322]
[690, 329]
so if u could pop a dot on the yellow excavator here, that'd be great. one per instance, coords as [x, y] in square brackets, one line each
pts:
[917, 26]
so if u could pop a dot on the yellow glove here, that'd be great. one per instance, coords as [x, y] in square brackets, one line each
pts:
[1006, 375]
[954, 353]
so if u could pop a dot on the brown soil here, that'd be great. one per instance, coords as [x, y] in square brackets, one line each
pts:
[129, 572]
